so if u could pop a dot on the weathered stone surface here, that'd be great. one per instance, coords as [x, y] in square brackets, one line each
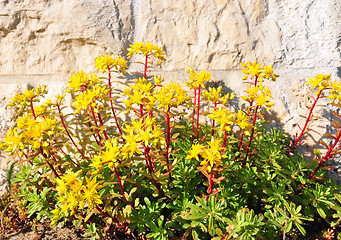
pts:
[54, 36]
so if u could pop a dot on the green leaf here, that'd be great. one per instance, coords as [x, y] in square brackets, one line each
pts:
[300, 228]
[195, 235]
[321, 212]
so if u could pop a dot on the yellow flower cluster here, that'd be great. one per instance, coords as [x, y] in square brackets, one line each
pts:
[106, 62]
[110, 155]
[335, 92]
[171, 95]
[255, 69]
[140, 93]
[21, 100]
[88, 98]
[242, 120]
[145, 131]
[73, 194]
[213, 95]
[224, 117]
[81, 79]
[323, 82]
[43, 108]
[196, 80]
[211, 153]
[259, 93]
[146, 49]
[31, 132]
[320, 81]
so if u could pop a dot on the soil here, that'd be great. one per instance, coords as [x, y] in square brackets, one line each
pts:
[47, 234]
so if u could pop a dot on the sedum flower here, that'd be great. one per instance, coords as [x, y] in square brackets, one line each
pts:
[146, 49]
[268, 73]
[139, 93]
[195, 151]
[81, 80]
[73, 194]
[213, 95]
[131, 146]
[211, 154]
[335, 92]
[196, 80]
[242, 120]
[224, 117]
[106, 62]
[320, 82]
[171, 95]
[88, 98]
[251, 68]
[254, 69]
[260, 94]
[90, 194]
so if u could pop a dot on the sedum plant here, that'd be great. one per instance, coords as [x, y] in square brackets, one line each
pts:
[139, 162]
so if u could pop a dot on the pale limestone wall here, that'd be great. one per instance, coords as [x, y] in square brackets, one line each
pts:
[43, 41]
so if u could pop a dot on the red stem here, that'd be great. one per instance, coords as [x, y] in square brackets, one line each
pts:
[213, 121]
[193, 117]
[32, 109]
[141, 111]
[322, 161]
[225, 139]
[112, 105]
[67, 132]
[168, 144]
[151, 170]
[51, 184]
[306, 123]
[121, 187]
[48, 163]
[243, 133]
[198, 112]
[251, 137]
[145, 67]
[209, 190]
[95, 120]
[102, 124]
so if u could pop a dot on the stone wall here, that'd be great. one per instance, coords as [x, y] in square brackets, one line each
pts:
[43, 41]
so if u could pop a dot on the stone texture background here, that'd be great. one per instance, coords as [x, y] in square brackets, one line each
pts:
[43, 41]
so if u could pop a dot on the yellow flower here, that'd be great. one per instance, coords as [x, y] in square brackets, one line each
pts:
[320, 81]
[253, 69]
[268, 73]
[146, 49]
[111, 152]
[211, 153]
[224, 117]
[194, 152]
[242, 120]
[131, 146]
[196, 80]
[79, 80]
[171, 95]
[90, 192]
[145, 136]
[335, 92]
[21, 99]
[106, 62]
[88, 98]
[213, 95]
[97, 164]
[12, 142]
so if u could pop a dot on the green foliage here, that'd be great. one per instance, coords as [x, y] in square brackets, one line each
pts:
[161, 174]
